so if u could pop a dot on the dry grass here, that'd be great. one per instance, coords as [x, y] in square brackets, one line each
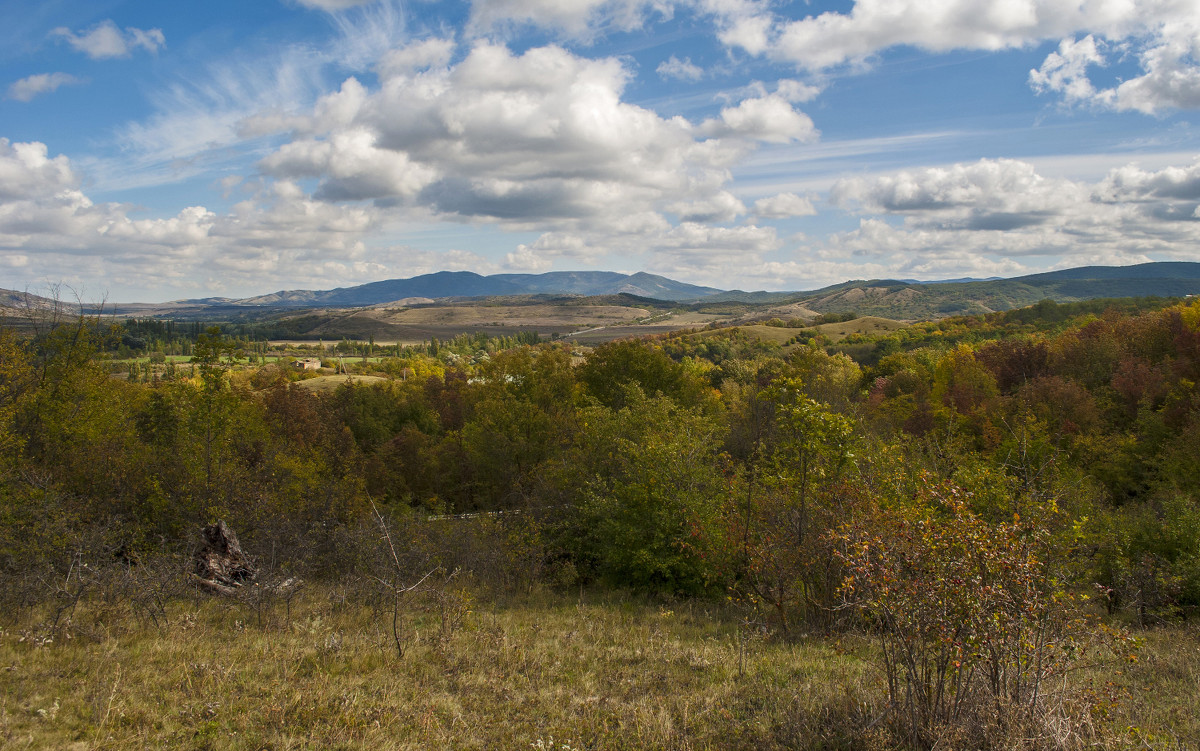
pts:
[1155, 702]
[692, 318]
[867, 325]
[614, 674]
[776, 334]
[578, 672]
[792, 310]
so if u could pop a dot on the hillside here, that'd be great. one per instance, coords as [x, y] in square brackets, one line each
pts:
[896, 299]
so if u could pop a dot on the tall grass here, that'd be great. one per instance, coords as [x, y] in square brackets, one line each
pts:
[579, 671]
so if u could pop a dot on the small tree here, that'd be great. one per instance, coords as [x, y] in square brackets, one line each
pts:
[795, 495]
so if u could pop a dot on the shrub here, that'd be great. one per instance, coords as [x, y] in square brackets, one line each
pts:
[973, 626]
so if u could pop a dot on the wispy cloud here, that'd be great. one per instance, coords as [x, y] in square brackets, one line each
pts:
[332, 6]
[200, 123]
[683, 70]
[106, 40]
[580, 19]
[41, 83]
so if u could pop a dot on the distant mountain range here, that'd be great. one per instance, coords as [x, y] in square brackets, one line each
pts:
[444, 284]
[885, 297]
[943, 296]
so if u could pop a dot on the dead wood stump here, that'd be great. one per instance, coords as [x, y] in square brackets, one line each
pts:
[220, 566]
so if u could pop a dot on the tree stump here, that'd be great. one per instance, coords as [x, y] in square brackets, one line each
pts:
[220, 566]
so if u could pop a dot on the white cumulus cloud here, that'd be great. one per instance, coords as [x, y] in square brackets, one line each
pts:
[538, 140]
[783, 205]
[27, 171]
[1132, 183]
[1001, 216]
[1065, 71]
[526, 260]
[48, 225]
[997, 191]
[770, 118]
[1162, 35]
[796, 91]
[427, 53]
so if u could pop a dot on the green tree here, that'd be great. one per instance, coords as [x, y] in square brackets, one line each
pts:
[522, 413]
[209, 353]
[611, 367]
[648, 493]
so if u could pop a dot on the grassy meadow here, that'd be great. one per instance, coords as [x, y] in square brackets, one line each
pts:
[544, 670]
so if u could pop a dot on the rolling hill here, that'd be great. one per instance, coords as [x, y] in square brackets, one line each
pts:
[897, 299]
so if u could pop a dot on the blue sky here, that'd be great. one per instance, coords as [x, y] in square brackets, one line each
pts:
[153, 151]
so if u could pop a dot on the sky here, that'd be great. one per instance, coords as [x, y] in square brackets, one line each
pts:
[154, 151]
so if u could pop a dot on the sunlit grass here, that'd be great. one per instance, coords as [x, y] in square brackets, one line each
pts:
[590, 672]
[608, 674]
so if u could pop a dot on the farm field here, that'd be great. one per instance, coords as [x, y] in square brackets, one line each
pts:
[413, 325]
[327, 383]
[665, 325]
[580, 319]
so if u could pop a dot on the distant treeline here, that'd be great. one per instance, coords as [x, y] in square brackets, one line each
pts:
[176, 338]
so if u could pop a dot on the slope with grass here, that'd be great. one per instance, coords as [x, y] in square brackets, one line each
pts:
[895, 299]
[546, 671]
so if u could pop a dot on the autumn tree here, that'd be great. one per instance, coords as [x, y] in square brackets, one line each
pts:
[973, 622]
